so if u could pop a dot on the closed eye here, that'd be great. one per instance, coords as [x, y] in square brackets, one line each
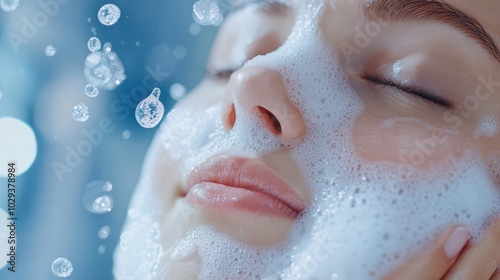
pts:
[414, 91]
[219, 74]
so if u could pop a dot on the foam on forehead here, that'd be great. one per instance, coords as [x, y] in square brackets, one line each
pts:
[364, 218]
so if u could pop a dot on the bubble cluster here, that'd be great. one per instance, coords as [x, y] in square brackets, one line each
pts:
[97, 198]
[50, 50]
[104, 69]
[91, 90]
[62, 267]
[94, 44]
[109, 14]
[207, 12]
[9, 5]
[81, 112]
[149, 111]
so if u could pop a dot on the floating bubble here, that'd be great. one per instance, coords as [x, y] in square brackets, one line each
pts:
[91, 90]
[101, 249]
[94, 44]
[81, 112]
[18, 142]
[180, 52]
[104, 69]
[50, 50]
[103, 204]
[109, 14]
[62, 267]
[103, 233]
[207, 12]
[194, 28]
[177, 91]
[126, 134]
[9, 5]
[93, 30]
[107, 47]
[150, 111]
[97, 198]
[89, 19]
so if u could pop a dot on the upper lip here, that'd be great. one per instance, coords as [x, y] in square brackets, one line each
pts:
[250, 174]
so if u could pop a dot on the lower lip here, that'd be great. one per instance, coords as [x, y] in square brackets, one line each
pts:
[226, 197]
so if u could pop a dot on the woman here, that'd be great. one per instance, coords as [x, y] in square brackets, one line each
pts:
[330, 140]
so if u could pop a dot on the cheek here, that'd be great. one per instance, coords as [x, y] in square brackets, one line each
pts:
[405, 140]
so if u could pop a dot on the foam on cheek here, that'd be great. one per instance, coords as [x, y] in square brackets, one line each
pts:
[364, 218]
[487, 127]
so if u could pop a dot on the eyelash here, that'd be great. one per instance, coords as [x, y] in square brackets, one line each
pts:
[415, 91]
[219, 74]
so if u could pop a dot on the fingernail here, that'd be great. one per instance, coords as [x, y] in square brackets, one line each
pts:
[456, 242]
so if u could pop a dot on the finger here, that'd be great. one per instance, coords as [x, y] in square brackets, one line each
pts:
[481, 260]
[436, 258]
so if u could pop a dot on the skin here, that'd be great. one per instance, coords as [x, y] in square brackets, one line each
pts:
[428, 59]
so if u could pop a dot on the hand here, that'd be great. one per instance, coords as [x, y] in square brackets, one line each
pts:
[452, 257]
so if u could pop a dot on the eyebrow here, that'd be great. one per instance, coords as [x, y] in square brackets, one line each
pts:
[432, 10]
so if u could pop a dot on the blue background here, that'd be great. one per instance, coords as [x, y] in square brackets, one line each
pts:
[41, 91]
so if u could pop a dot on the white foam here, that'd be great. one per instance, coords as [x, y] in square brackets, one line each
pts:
[487, 127]
[364, 218]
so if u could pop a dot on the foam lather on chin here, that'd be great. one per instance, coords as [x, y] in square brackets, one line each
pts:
[363, 218]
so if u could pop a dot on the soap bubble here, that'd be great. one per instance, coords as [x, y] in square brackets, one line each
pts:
[150, 111]
[62, 267]
[126, 134]
[103, 233]
[97, 198]
[18, 142]
[180, 52]
[109, 14]
[103, 204]
[104, 69]
[9, 5]
[94, 44]
[91, 90]
[177, 91]
[207, 12]
[101, 249]
[81, 112]
[50, 50]
[107, 47]
[194, 28]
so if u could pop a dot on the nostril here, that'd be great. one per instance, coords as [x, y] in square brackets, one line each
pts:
[271, 120]
[231, 118]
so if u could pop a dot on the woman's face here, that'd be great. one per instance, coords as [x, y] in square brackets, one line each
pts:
[397, 92]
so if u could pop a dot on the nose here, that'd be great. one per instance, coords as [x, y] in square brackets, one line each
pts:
[261, 91]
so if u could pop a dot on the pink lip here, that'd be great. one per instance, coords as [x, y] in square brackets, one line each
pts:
[243, 184]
